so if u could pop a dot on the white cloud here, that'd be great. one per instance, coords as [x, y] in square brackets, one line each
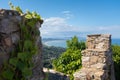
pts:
[109, 28]
[58, 27]
[54, 21]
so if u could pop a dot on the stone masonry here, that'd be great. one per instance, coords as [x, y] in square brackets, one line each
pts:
[97, 63]
[9, 37]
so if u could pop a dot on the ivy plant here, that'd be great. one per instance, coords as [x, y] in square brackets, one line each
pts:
[19, 66]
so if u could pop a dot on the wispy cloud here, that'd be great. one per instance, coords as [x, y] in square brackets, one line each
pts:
[67, 14]
[58, 27]
[114, 30]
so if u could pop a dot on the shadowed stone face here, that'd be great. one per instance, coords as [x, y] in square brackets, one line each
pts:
[9, 32]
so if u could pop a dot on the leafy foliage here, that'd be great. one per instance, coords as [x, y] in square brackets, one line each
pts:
[70, 61]
[19, 66]
[116, 58]
[116, 53]
[74, 44]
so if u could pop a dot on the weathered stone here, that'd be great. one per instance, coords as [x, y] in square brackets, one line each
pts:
[16, 19]
[97, 63]
[85, 59]
[8, 42]
[8, 13]
[15, 37]
[93, 60]
[98, 41]
[55, 75]
[7, 26]
[98, 66]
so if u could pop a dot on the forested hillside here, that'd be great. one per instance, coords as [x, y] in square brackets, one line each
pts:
[50, 53]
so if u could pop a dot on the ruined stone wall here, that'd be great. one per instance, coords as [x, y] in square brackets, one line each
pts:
[97, 63]
[9, 33]
[9, 37]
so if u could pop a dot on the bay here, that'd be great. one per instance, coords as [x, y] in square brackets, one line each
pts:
[62, 43]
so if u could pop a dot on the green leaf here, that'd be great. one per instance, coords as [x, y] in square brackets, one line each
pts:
[35, 15]
[21, 65]
[13, 61]
[23, 56]
[31, 23]
[19, 9]
[23, 28]
[28, 44]
[26, 72]
[8, 74]
[28, 16]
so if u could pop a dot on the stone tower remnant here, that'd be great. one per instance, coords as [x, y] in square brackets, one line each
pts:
[97, 63]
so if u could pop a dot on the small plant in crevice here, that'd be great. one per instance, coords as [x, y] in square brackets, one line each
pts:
[19, 66]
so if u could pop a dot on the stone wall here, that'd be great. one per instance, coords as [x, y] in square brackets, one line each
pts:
[97, 63]
[51, 74]
[9, 37]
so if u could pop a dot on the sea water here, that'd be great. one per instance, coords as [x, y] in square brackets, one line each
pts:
[62, 43]
[57, 43]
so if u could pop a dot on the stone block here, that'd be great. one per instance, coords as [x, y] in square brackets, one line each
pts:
[93, 60]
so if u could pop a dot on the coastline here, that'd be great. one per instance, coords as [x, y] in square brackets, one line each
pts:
[62, 42]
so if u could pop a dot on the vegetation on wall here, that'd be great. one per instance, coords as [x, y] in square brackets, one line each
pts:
[70, 61]
[19, 66]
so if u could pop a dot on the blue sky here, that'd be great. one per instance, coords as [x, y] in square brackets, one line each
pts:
[66, 18]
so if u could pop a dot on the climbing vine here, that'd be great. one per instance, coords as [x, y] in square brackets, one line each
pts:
[19, 66]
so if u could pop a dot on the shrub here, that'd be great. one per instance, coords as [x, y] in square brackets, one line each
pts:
[70, 61]
[116, 58]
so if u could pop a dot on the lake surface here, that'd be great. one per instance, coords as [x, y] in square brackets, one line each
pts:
[62, 43]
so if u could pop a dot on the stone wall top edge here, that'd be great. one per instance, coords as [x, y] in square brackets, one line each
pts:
[98, 50]
[107, 35]
[1, 9]
[8, 12]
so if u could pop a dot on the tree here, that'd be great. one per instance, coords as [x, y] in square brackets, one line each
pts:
[70, 61]
[116, 58]
[74, 44]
